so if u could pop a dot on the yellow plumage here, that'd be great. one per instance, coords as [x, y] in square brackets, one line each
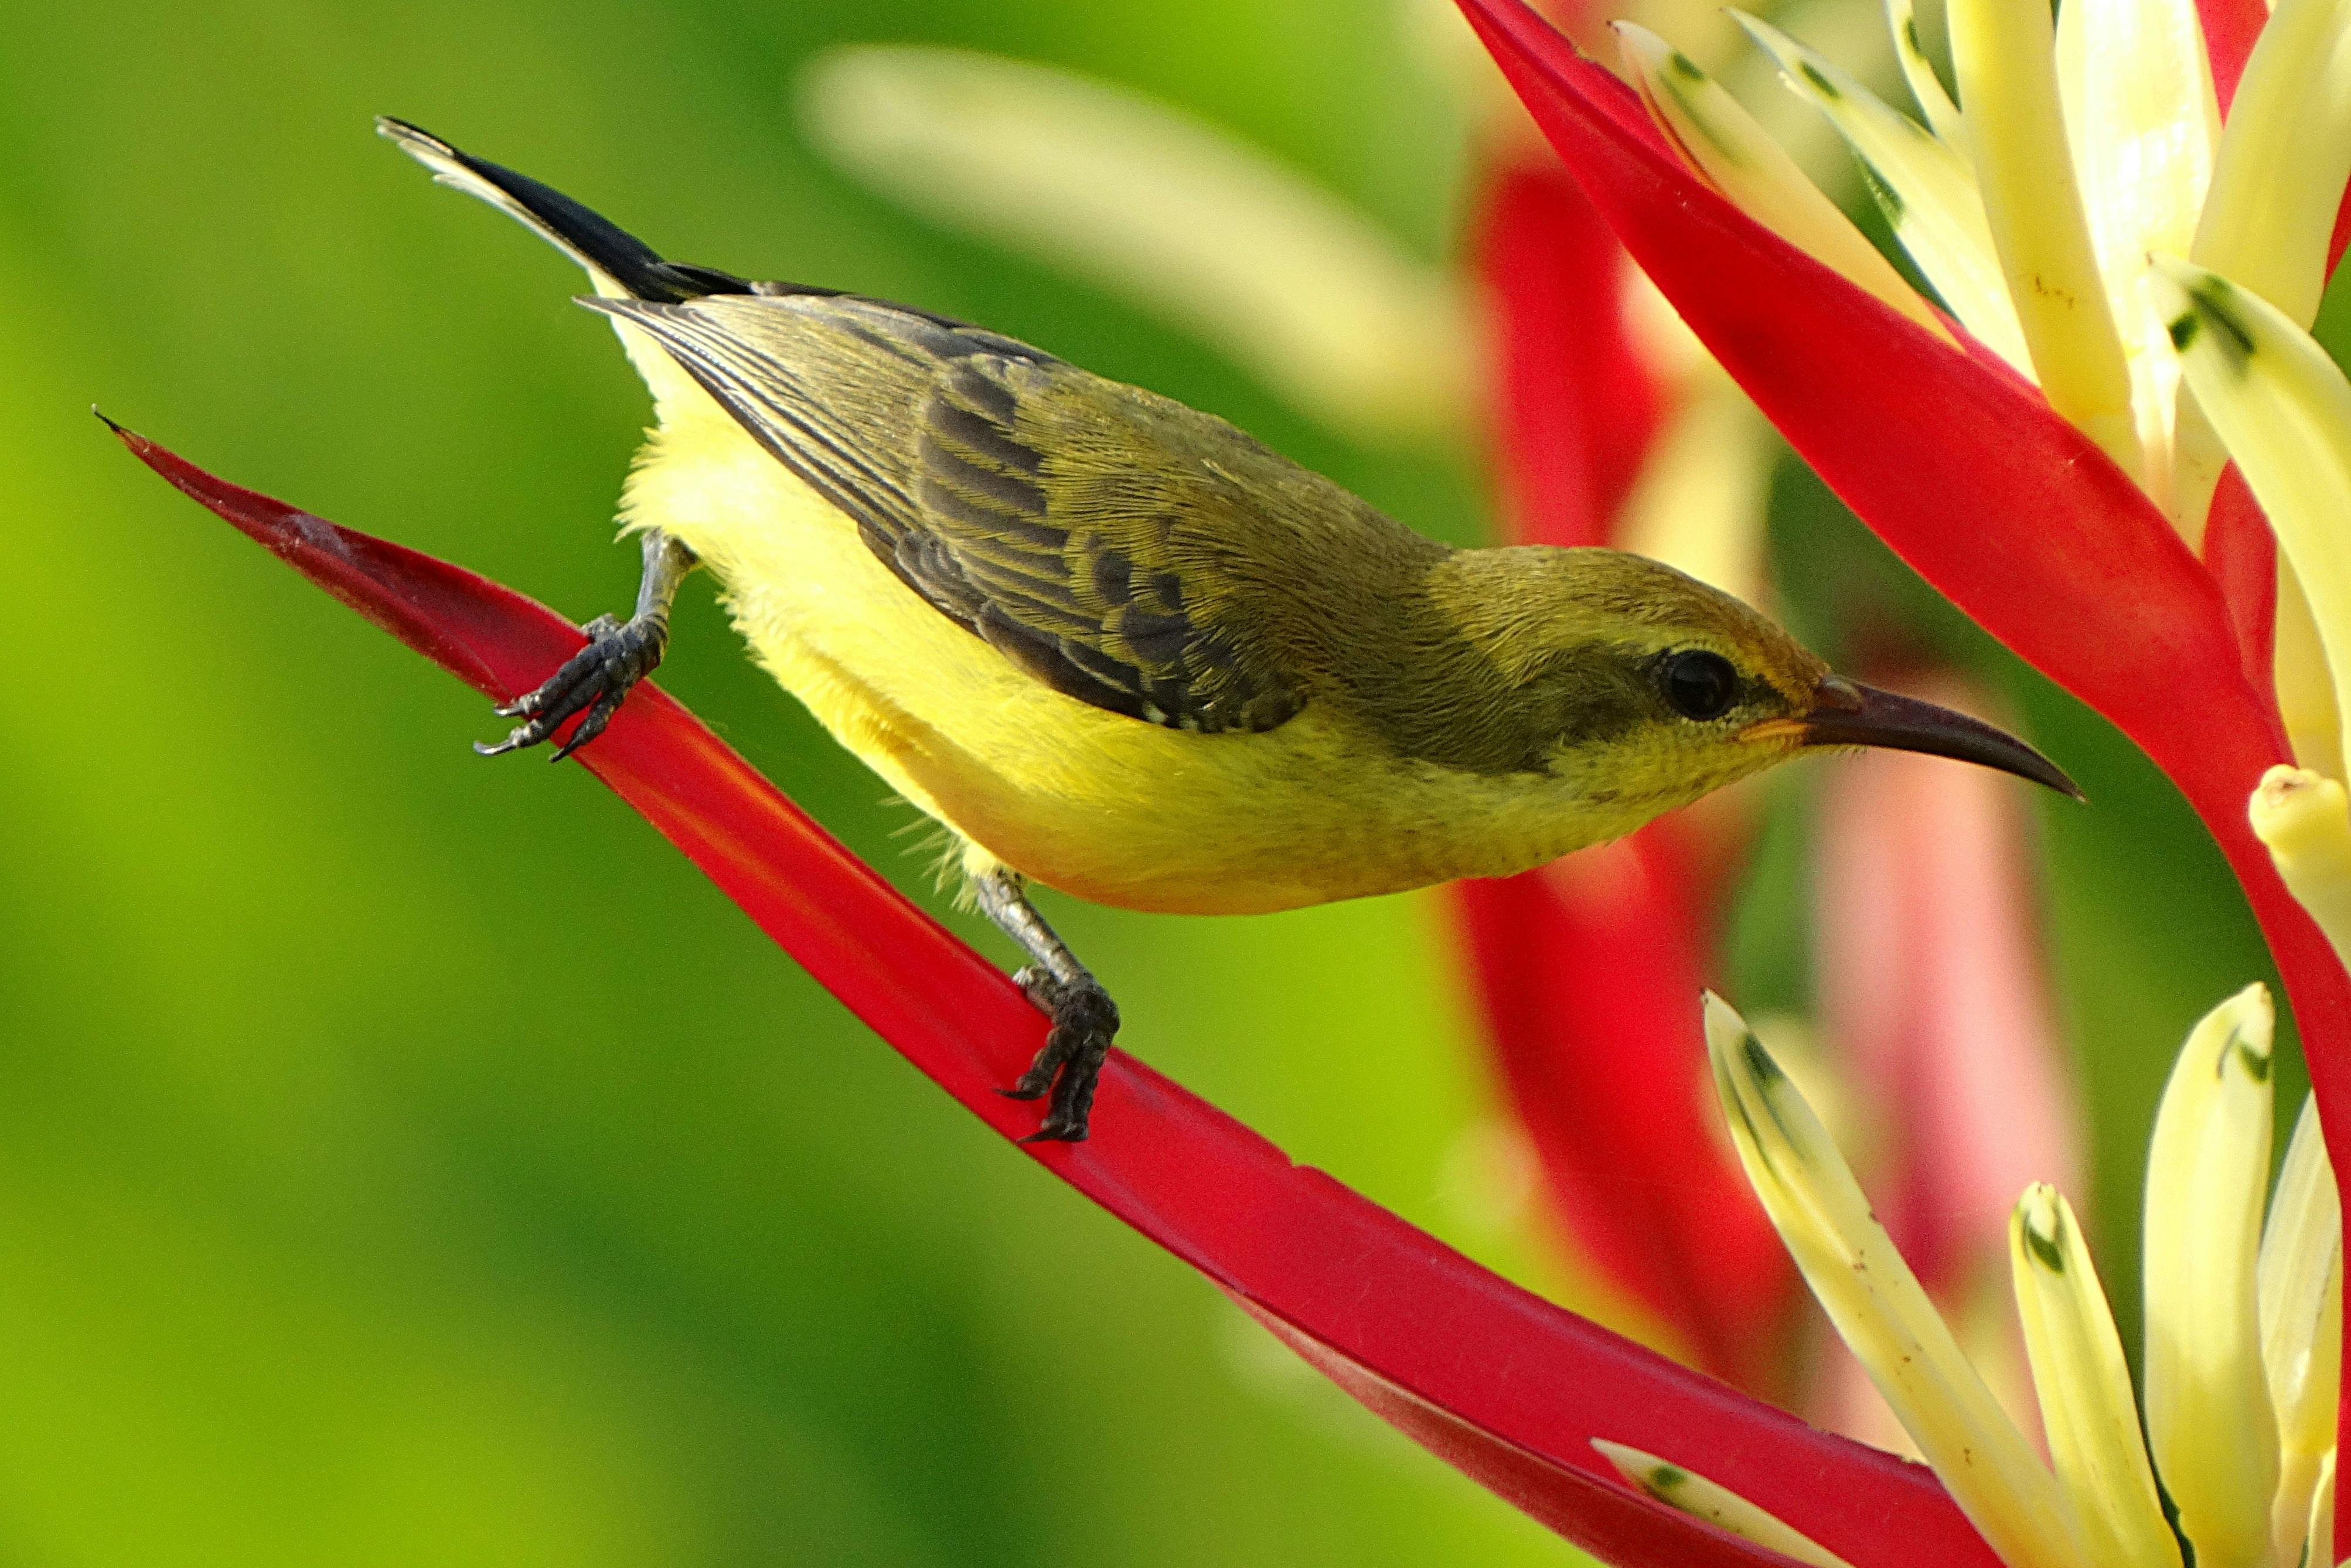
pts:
[1092, 802]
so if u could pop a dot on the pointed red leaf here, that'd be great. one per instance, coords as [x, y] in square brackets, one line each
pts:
[1520, 1386]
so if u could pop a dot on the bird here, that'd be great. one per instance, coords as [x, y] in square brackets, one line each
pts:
[1119, 648]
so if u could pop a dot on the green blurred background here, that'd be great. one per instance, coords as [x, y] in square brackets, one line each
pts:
[407, 1158]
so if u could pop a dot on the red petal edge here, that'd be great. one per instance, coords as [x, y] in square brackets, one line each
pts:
[1497, 1383]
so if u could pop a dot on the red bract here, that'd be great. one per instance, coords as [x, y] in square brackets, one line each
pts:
[1583, 970]
[1504, 1385]
[1966, 473]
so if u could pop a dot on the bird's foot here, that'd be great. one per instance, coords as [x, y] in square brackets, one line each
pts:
[619, 654]
[1084, 1021]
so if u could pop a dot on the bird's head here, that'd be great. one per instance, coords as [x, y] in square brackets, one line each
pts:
[1646, 689]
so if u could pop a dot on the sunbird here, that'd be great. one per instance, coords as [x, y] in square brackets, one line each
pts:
[1118, 647]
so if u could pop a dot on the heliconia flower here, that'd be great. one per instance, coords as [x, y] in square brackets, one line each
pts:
[1608, 425]
[2243, 1329]
[1603, 432]
[2036, 508]
[1581, 968]
[2283, 410]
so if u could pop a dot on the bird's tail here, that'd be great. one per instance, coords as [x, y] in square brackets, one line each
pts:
[613, 256]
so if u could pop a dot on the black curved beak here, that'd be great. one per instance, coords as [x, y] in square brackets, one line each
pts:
[1847, 713]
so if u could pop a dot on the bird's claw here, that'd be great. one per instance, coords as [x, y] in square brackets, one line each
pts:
[619, 654]
[1085, 1021]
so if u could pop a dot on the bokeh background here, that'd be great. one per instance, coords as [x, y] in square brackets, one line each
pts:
[408, 1158]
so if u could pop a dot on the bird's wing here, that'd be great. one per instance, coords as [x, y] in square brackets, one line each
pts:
[1026, 515]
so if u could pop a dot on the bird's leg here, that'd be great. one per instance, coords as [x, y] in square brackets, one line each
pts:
[619, 654]
[1084, 1018]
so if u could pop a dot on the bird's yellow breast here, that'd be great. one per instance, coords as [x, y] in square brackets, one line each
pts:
[1095, 803]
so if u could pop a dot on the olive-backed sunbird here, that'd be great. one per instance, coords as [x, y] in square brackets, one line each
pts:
[1118, 647]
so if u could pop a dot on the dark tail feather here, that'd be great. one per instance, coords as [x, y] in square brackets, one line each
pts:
[589, 239]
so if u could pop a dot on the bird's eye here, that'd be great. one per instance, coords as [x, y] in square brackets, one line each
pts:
[1698, 684]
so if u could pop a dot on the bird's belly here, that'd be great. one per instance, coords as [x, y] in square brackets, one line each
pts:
[1094, 803]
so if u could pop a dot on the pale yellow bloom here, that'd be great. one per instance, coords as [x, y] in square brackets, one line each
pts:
[2243, 1329]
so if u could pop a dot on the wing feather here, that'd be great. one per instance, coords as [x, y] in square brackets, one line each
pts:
[947, 446]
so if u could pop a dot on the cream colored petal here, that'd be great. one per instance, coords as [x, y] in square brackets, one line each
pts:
[2276, 179]
[1942, 114]
[1925, 187]
[2304, 820]
[1177, 216]
[1678, 1487]
[2301, 1302]
[2086, 1407]
[2003, 52]
[2278, 175]
[1880, 1309]
[2283, 159]
[2197, 459]
[1721, 141]
[2283, 410]
[2142, 119]
[2208, 1418]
